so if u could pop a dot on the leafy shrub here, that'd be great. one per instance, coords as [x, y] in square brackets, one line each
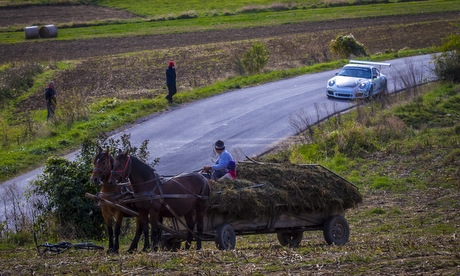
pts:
[447, 64]
[347, 45]
[63, 185]
[255, 59]
[16, 80]
[58, 194]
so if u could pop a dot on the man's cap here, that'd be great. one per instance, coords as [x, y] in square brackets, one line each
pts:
[171, 63]
[219, 145]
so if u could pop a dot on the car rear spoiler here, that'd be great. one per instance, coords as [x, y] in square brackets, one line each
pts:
[370, 62]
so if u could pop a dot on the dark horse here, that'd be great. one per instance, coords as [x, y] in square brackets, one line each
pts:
[103, 165]
[183, 195]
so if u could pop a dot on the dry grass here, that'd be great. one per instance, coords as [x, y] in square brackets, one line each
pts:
[391, 234]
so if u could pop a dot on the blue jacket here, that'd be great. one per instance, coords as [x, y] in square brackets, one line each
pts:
[222, 161]
[170, 76]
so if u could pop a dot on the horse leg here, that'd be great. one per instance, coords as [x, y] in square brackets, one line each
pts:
[110, 233]
[141, 227]
[154, 221]
[108, 222]
[199, 227]
[190, 225]
[118, 221]
[145, 230]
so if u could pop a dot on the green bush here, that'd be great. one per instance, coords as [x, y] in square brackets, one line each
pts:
[255, 59]
[62, 187]
[447, 64]
[346, 45]
[16, 80]
[58, 194]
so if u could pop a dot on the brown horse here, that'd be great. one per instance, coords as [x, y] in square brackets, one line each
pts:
[180, 196]
[103, 165]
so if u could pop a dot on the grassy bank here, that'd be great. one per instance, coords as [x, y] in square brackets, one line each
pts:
[403, 155]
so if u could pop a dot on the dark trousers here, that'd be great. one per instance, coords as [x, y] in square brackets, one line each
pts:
[171, 92]
[215, 175]
[50, 107]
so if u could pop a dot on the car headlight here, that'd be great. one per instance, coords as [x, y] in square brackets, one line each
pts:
[331, 82]
[362, 85]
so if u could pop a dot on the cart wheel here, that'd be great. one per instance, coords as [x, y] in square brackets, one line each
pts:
[169, 244]
[336, 230]
[291, 239]
[226, 238]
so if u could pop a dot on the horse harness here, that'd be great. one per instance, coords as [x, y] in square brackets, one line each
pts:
[160, 181]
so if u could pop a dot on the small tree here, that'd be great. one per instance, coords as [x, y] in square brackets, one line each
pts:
[256, 58]
[344, 46]
[447, 64]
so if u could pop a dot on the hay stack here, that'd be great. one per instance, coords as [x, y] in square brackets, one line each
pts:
[301, 189]
[31, 32]
[48, 31]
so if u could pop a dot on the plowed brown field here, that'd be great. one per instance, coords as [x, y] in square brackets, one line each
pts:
[378, 34]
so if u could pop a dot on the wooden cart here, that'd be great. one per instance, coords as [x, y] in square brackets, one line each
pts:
[222, 228]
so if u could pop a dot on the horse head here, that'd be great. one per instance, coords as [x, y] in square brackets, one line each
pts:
[121, 168]
[102, 167]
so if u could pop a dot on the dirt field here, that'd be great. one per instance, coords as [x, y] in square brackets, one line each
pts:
[59, 50]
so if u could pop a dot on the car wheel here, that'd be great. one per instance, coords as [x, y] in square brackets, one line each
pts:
[370, 93]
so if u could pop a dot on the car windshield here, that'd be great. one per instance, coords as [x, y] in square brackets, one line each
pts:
[356, 72]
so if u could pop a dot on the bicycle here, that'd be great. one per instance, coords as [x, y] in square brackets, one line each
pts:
[64, 246]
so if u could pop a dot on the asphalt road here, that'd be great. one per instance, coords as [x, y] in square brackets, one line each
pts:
[250, 121]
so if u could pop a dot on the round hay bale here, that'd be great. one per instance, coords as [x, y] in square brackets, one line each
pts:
[48, 31]
[31, 32]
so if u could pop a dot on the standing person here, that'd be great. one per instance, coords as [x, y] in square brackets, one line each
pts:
[219, 169]
[50, 96]
[171, 81]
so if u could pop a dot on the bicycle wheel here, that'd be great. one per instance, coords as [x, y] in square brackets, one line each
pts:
[88, 246]
[54, 248]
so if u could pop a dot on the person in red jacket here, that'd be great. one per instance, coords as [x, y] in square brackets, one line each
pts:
[171, 81]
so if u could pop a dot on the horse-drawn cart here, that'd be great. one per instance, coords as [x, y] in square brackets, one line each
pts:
[289, 228]
[267, 198]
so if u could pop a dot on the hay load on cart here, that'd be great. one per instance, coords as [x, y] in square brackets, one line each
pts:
[302, 189]
[285, 199]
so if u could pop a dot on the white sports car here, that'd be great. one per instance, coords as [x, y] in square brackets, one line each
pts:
[358, 80]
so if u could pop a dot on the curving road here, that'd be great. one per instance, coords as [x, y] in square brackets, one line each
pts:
[250, 121]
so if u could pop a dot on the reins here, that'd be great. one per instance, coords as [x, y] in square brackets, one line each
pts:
[151, 195]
